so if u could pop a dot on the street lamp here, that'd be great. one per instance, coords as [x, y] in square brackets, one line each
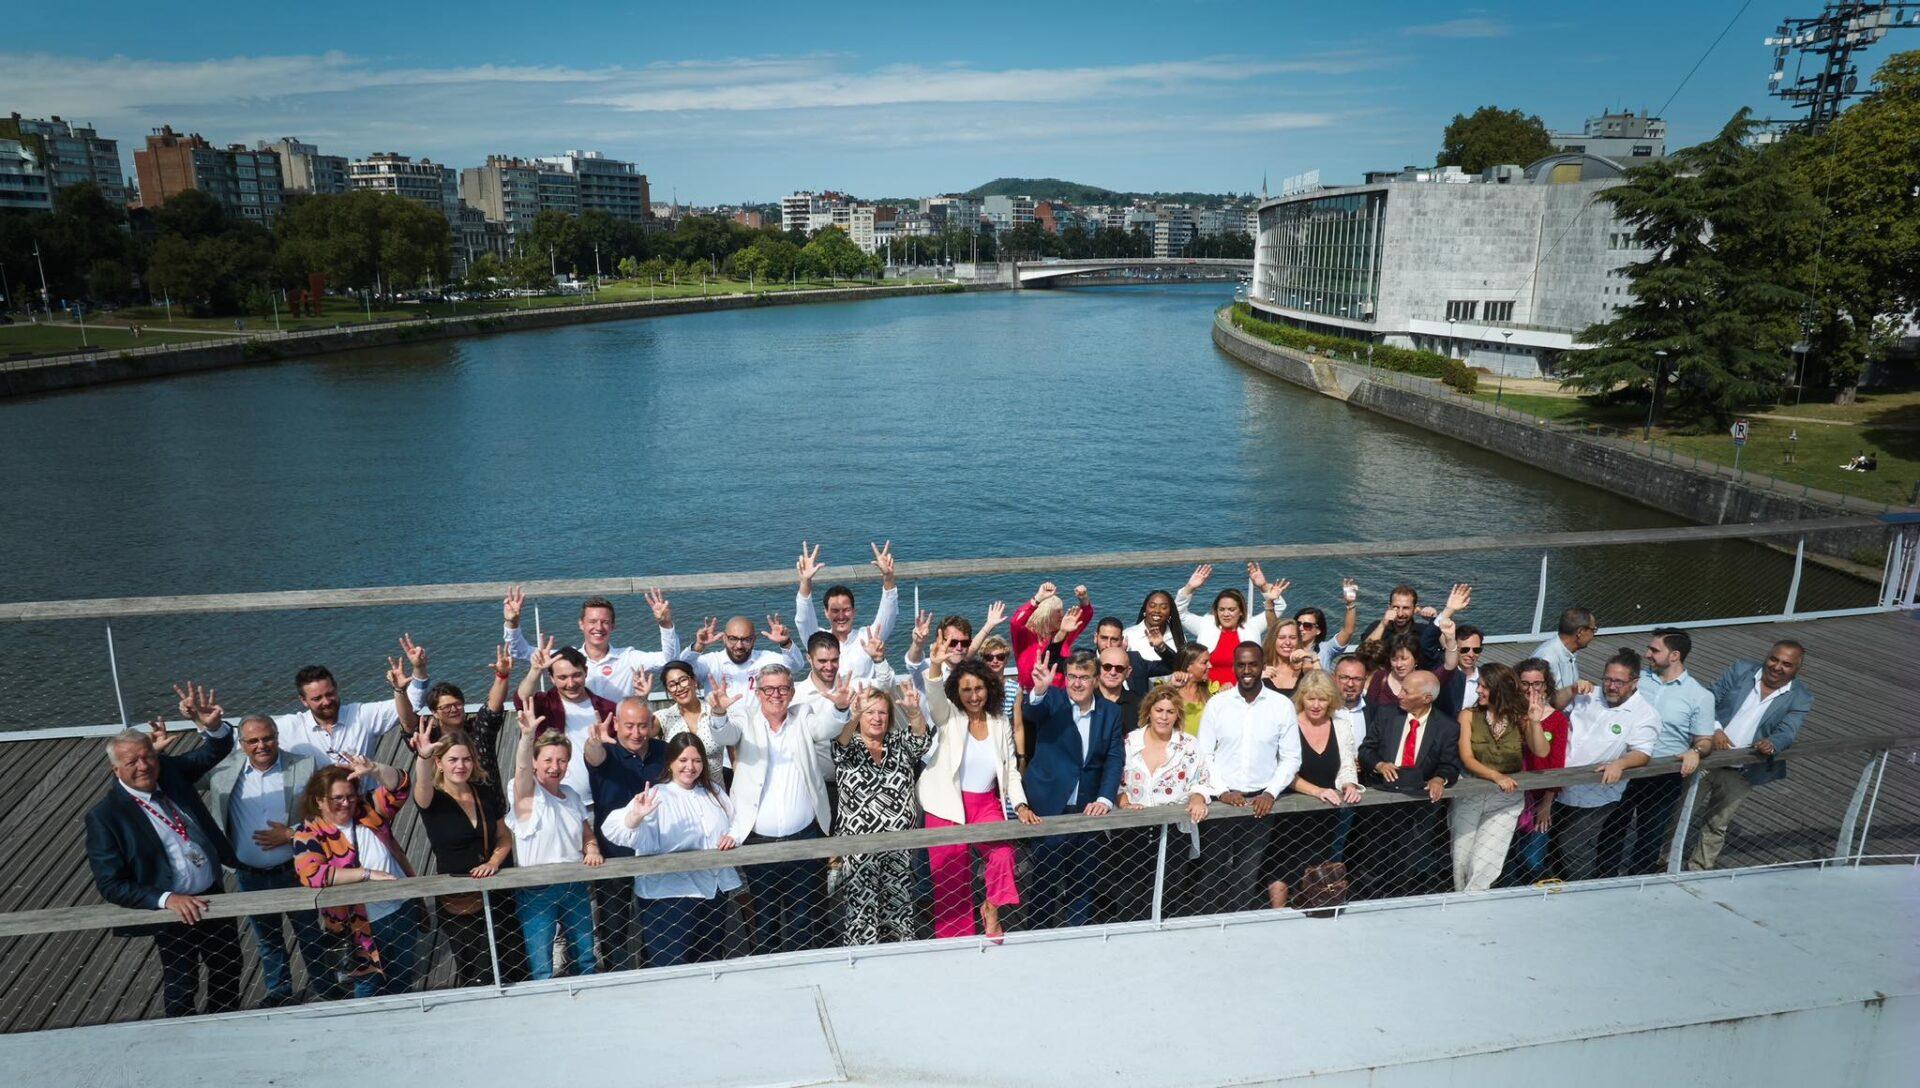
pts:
[1500, 386]
[1653, 399]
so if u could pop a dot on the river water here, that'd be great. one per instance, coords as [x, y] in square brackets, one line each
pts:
[1001, 424]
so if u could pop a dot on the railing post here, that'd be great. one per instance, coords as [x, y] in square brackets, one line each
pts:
[1793, 587]
[1160, 877]
[113, 666]
[1540, 601]
[1873, 799]
[1677, 852]
[493, 946]
[1843, 846]
[1910, 544]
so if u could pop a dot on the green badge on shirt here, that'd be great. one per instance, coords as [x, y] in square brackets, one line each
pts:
[1616, 727]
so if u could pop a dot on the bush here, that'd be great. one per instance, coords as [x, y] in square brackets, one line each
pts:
[1425, 364]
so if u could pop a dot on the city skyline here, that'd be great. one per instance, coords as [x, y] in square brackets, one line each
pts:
[728, 113]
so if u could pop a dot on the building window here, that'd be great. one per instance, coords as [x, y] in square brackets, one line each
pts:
[1643, 151]
[1500, 311]
[1462, 311]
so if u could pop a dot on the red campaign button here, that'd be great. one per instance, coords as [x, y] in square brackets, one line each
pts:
[606, 670]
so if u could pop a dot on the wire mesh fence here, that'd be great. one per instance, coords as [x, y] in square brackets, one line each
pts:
[269, 940]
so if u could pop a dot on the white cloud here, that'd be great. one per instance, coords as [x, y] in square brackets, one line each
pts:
[1460, 28]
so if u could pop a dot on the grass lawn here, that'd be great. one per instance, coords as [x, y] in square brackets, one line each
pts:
[1887, 424]
[45, 339]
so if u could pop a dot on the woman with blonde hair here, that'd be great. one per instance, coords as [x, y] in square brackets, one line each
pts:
[1163, 767]
[1045, 623]
[1329, 772]
[1286, 659]
[464, 816]
[875, 763]
[1190, 681]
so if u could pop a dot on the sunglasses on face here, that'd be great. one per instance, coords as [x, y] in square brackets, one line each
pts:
[957, 642]
[1469, 649]
[994, 659]
[1106, 667]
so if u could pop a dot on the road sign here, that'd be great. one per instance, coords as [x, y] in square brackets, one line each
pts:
[1740, 432]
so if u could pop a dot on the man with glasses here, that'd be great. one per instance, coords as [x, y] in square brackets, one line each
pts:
[1685, 707]
[1079, 750]
[610, 671]
[839, 602]
[780, 795]
[956, 635]
[1462, 689]
[1612, 730]
[738, 662]
[1125, 675]
[1577, 628]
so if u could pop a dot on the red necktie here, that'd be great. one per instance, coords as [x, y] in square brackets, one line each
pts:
[1413, 742]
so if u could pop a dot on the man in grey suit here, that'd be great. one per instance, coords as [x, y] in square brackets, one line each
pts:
[1759, 705]
[252, 796]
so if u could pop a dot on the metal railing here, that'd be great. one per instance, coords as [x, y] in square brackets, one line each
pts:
[571, 921]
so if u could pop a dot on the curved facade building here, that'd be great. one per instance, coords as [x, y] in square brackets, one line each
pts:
[1501, 269]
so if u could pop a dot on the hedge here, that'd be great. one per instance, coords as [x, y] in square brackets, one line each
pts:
[1425, 364]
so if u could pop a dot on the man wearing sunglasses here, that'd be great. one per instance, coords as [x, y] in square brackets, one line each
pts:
[1462, 689]
[1079, 751]
[1125, 675]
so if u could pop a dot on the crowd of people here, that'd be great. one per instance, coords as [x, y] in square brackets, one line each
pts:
[619, 752]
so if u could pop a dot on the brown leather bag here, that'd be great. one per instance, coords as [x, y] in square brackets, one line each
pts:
[1322, 887]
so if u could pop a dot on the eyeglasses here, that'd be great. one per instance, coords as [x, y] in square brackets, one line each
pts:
[1079, 678]
[679, 682]
[347, 800]
[956, 642]
[738, 638]
[776, 689]
[1534, 685]
[1307, 623]
[1108, 667]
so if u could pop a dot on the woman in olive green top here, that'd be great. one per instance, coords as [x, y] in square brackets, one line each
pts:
[1491, 739]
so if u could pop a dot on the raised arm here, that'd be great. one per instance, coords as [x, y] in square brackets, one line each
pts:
[1351, 591]
[502, 677]
[537, 667]
[885, 616]
[523, 784]
[425, 754]
[805, 618]
[404, 714]
[516, 640]
[593, 750]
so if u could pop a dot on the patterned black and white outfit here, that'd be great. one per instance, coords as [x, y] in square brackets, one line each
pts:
[877, 797]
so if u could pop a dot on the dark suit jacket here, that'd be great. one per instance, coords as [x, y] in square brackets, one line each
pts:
[1437, 756]
[1453, 689]
[1057, 765]
[1146, 669]
[1780, 723]
[130, 866]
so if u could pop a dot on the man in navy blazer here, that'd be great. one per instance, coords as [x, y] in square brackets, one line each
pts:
[152, 845]
[1402, 840]
[1079, 750]
[1759, 705]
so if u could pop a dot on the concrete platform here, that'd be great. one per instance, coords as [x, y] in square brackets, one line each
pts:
[1801, 977]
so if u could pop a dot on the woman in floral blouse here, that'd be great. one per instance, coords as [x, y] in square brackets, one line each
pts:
[687, 714]
[876, 763]
[346, 838]
[1163, 768]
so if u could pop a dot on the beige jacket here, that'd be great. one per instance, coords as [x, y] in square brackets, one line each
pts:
[939, 787]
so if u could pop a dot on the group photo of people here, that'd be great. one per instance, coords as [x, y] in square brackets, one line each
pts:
[1259, 729]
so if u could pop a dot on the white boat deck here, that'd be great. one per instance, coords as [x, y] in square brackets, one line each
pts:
[1799, 976]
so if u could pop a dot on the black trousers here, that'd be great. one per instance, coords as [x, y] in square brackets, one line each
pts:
[1401, 849]
[1646, 813]
[184, 949]
[1233, 851]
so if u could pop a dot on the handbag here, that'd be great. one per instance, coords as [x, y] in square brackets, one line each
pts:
[1322, 887]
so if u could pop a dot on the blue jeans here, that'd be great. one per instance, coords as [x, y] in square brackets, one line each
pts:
[789, 897]
[568, 906]
[395, 936]
[681, 931]
[268, 936]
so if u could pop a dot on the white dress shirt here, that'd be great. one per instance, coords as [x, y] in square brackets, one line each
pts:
[782, 771]
[855, 663]
[356, 732]
[610, 677]
[807, 693]
[739, 674]
[259, 798]
[1470, 691]
[1598, 733]
[1745, 723]
[786, 802]
[685, 819]
[1250, 747]
[552, 832]
[1139, 642]
[194, 873]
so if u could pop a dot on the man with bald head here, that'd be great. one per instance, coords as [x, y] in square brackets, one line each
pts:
[619, 767]
[152, 845]
[738, 662]
[1412, 749]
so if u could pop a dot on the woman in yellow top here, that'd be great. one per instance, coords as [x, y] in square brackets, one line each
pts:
[1190, 680]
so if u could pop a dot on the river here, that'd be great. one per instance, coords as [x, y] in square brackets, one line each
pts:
[1037, 422]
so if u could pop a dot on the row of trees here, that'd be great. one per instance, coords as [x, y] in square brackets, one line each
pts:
[1811, 240]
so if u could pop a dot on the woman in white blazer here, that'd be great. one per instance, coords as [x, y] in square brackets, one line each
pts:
[1329, 771]
[1228, 624]
[968, 780]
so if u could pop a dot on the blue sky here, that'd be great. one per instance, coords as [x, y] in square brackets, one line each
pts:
[727, 102]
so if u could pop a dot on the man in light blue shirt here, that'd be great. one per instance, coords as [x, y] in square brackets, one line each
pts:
[1577, 628]
[1686, 716]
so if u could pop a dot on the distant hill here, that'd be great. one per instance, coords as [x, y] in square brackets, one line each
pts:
[1074, 192]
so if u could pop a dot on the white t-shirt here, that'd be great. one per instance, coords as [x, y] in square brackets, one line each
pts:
[979, 765]
[1599, 733]
[374, 854]
[552, 832]
[580, 721]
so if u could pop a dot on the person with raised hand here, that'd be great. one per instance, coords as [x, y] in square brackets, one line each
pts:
[446, 713]
[152, 845]
[346, 837]
[683, 914]
[686, 712]
[1045, 625]
[876, 760]
[1157, 632]
[551, 826]
[331, 732]
[840, 614]
[609, 669]
[971, 770]
[827, 665]
[464, 816]
[738, 660]
[1073, 768]
[570, 707]
[1228, 623]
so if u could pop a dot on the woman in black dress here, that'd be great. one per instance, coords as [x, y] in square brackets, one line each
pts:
[876, 764]
[465, 820]
[1329, 772]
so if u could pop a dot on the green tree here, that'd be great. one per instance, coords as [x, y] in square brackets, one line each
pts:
[1491, 136]
[363, 240]
[1729, 228]
[831, 252]
[628, 268]
[1865, 279]
[484, 270]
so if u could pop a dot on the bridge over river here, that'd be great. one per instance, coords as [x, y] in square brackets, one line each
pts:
[1043, 273]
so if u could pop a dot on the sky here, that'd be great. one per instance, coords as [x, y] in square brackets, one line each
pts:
[725, 103]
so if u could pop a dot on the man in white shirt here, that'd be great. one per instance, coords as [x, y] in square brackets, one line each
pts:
[839, 602]
[780, 795]
[551, 825]
[331, 733]
[571, 708]
[253, 796]
[738, 662]
[1612, 731]
[1350, 676]
[825, 667]
[610, 670]
[1577, 628]
[1760, 705]
[1250, 740]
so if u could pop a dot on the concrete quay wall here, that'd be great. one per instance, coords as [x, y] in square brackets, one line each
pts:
[73, 372]
[1706, 494]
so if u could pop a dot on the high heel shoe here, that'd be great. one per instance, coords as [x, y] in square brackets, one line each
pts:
[990, 923]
